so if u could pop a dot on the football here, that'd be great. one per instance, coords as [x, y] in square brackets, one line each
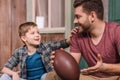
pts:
[65, 66]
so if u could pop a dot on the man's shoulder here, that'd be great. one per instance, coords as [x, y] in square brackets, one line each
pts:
[113, 24]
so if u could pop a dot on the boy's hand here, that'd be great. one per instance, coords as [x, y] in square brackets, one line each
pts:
[73, 31]
[15, 76]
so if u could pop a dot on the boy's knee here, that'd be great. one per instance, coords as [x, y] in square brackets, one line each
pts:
[5, 77]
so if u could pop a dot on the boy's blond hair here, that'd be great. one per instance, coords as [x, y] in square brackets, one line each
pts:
[24, 27]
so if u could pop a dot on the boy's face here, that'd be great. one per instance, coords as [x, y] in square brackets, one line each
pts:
[32, 37]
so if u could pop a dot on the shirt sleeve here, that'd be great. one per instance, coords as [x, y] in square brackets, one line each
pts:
[13, 61]
[117, 38]
[58, 44]
[74, 45]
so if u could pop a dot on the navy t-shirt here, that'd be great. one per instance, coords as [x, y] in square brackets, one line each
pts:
[35, 67]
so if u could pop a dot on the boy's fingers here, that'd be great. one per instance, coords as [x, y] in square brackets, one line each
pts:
[18, 72]
[61, 49]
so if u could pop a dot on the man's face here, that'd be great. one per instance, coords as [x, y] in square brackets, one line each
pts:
[81, 19]
[32, 37]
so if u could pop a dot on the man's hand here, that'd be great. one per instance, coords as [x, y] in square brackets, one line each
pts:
[96, 68]
[52, 57]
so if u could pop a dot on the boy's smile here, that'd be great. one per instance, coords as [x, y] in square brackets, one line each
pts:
[32, 37]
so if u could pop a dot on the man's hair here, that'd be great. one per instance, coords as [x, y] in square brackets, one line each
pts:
[24, 27]
[91, 5]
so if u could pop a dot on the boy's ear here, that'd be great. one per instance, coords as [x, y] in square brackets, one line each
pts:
[23, 38]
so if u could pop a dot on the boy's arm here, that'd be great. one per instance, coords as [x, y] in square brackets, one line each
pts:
[63, 43]
[12, 73]
[59, 44]
[13, 61]
[8, 71]
[68, 41]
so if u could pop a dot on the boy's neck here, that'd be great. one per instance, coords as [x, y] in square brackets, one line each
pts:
[31, 49]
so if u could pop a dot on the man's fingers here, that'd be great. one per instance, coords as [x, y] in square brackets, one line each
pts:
[52, 57]
[94, 68]
[53, 52]
[52, 61]
[99, 58]
[89, 70]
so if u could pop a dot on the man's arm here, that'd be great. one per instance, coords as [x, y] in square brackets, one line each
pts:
[76, 56]
[111, 68]
[102, 67]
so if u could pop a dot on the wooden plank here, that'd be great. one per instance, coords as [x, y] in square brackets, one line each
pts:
[52, 37]
[5, 30]
[18, 17]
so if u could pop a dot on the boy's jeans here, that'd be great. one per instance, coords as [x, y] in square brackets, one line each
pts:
[7, 77]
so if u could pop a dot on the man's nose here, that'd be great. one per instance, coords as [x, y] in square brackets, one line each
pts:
[75, 21]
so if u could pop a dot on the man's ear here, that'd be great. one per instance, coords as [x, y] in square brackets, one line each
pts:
[23, 38]
[92, 16]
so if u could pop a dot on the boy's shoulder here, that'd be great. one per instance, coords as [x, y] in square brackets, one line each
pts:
[21, 49]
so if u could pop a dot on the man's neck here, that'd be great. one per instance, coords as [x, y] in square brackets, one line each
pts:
[97, 33]
[98, 30]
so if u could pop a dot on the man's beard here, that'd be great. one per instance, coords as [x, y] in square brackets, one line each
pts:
[82, 28]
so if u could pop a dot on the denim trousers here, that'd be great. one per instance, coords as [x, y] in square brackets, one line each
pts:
[7, 77]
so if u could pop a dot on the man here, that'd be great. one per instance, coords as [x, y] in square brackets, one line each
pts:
[97, 41]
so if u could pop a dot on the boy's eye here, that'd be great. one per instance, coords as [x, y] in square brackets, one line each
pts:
[35, 32]
[38, 32]
[32, 33]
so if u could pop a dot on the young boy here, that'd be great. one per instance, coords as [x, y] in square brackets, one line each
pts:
[33, 57]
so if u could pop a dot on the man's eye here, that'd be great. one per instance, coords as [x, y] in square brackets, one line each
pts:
[78, 17]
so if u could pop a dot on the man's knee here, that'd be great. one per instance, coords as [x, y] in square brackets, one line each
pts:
[52, 76]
